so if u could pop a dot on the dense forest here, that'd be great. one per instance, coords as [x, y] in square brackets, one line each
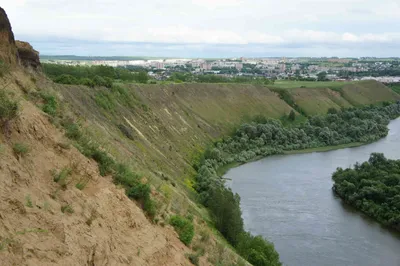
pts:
[92, 75]
[372, 187]
[269, 137]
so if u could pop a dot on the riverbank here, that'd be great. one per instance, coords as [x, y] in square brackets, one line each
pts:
[327, 148]
[224, 169]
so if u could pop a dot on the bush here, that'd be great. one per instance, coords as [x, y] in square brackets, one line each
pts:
[72, 130]
[106, 163]
[292, 115]
[184, 228]
[257, 250]
[194, 259]
[87, 82]
[67, 209]
[61, 177]
[50, 104]
[8, 108]
[28, 201]
[20, 149]
[66, 79]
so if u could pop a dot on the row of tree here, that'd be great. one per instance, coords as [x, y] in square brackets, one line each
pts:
[372, 187]
[92, 75]
[271, 137]
[211, 78]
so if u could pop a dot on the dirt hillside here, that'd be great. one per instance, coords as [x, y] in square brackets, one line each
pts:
[45, 223]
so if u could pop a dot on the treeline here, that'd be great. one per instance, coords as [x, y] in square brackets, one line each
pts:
[374, 73]
[270, 137]
[211, 78]
[372, 187]
[92, 75]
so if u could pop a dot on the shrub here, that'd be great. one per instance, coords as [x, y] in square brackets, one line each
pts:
[184, 228]
[28, 201]
[20, 149]
[67, 209]
[72, 130]
[61, 177]
[50, 104]
[106, 163]
[194, 259]
[8, 108]
[81, 185]
[86, 82]
[292, 115]
[66, 79]
[126, 131]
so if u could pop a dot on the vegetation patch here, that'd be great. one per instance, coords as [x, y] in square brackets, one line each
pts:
[287, 97]
[67, 209]
[372, 187]
[28, 201]
[21, 149]
[92, 76]
[50, 105]
[184, 227]
[122, 174]
[8, 108]
[61, 177]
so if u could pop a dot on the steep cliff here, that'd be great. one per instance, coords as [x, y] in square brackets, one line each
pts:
[28, 56]
[8, 50]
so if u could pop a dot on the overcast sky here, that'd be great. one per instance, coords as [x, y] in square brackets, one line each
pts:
[209, 28]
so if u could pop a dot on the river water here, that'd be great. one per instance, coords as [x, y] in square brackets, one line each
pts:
[288, 199]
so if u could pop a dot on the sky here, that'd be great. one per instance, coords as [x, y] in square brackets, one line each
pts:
[208, 28]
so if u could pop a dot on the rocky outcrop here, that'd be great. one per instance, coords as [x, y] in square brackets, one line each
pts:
[8, 50]
[28, 56]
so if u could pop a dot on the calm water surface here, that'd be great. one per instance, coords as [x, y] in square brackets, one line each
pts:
[288, 199]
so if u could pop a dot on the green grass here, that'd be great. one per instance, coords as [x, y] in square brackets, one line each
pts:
[290, 84]
[395, 88]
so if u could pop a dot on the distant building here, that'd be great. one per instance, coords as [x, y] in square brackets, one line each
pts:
[239, 66]
[205, 66]
[158, 65]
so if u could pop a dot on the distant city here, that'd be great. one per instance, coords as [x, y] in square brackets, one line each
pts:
[385, 70]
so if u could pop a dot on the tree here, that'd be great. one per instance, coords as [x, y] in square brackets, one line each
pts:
[321, 76]
[141, 77]
[292, 115]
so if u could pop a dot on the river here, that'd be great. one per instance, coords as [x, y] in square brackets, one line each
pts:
[288, 199]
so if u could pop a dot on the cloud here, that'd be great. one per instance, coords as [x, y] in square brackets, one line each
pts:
[304, 24]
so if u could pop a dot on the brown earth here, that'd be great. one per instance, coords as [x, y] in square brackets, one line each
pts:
[8, 51]
[29, 57]
[105, 228]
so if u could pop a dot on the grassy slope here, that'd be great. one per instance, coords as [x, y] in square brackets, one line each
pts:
[180, 120]
[288, 84]
[368, 92]
[318, 97]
